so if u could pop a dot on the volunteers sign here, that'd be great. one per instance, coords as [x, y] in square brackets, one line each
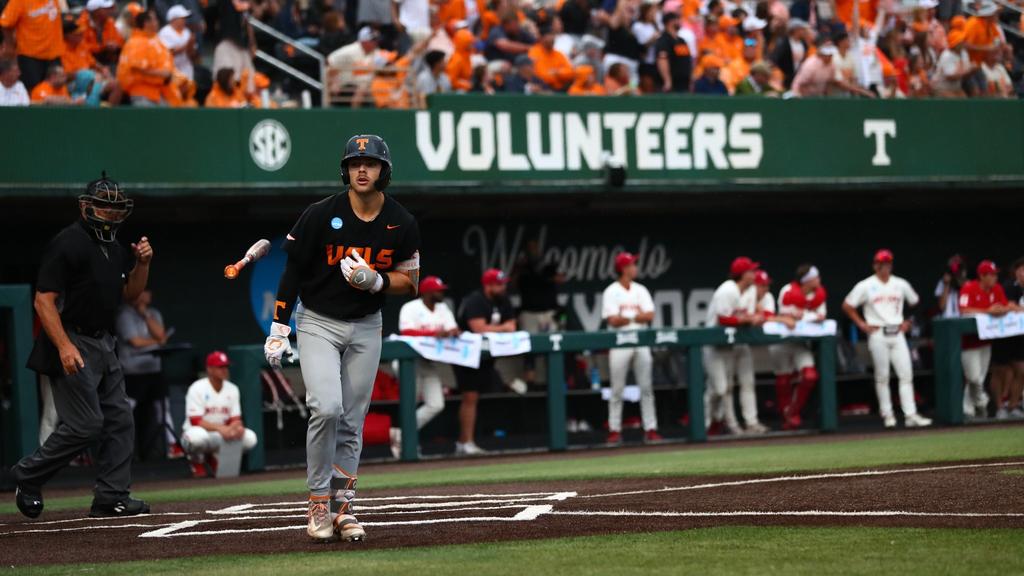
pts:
[484, 144]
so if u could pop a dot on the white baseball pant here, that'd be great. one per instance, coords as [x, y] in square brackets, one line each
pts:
[429, 386]
[886, 351]
[975, 362]
[199, 440]
[619, 362]
[724, 366]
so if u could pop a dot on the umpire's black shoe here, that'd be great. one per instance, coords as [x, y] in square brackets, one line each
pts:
[29, 501]
[125, 507]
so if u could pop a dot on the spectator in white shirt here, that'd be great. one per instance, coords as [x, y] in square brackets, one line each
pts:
[351, 66]
[427, 316]
[12, 91]
[883, 297]
[213, 416]
[178, 38]
[627, 305]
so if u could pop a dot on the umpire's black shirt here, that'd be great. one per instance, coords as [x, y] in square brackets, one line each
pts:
[88, 274]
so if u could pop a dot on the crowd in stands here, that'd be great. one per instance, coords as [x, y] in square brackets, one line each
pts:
[395, 53]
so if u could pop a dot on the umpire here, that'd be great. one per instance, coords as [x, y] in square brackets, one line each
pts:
[84, 276]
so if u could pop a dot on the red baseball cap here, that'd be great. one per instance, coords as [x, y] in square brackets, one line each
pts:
[884, 255]
[762, 278]
[493, 277]
[432, 284]
[742, 265]
[623, 259]
[217, 359]
[987, 267]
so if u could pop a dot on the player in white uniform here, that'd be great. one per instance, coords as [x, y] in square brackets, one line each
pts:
[213, 415]
[723, 363]
[802, 300]
[427, 316]
[627, 305]
[757, 299]
[883, 296]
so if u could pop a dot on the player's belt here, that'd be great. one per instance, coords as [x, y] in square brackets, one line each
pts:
[891, 330]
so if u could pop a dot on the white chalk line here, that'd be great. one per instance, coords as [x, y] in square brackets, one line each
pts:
[865, 513]
[481, 499]
[89, 519]
[528, 514]
[831, 475]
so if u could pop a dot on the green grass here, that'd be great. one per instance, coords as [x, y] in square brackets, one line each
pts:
[723, 550]
[767, 458]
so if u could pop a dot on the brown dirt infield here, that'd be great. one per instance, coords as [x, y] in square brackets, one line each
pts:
[964, 495]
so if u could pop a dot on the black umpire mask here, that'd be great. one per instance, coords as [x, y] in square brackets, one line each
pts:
[105, 207]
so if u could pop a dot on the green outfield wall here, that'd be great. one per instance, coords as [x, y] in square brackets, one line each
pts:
[481, 144]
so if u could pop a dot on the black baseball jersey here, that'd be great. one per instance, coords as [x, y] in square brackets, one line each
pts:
[89, 277]
[326, 233]
[88, 274]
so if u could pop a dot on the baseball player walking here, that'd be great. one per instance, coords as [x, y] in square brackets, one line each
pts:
[803, 299]
[344, 254]
[627, 305]
[883, 296]
[84, 277]
[427, 316]
[981, 296]
[728, 309]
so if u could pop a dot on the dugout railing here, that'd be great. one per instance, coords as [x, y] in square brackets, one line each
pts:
[247, 361]
[20, 409]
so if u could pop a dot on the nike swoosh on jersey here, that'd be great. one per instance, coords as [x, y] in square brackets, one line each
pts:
[290, 237]
[390, 227]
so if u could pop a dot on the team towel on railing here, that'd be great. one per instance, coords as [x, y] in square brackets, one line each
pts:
[802, 329]
[461, 351]
[992, 327]
[508, 343]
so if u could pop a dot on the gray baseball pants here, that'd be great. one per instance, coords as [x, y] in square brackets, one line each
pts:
[339, 360]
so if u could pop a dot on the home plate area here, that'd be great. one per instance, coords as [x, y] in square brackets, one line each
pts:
[973, 495]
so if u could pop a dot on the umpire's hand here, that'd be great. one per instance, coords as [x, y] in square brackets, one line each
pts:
[71, 359]
[143, 251]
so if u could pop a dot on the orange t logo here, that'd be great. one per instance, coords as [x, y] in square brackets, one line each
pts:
[362, 143]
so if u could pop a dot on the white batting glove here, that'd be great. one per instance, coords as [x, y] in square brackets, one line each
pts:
[277, 345]
[359, 274]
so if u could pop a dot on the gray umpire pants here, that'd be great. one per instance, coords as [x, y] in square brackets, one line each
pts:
[91, 406]
[339, 362]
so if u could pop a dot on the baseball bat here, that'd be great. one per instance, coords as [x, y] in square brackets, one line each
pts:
[254, 253]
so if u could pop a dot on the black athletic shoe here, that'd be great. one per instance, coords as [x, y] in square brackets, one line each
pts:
[29, 501]
[124, 507]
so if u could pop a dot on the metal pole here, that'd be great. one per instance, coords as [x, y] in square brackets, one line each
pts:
[695, 393]
[827, 383]
[407, 409]
[949, 383]
[557, 434]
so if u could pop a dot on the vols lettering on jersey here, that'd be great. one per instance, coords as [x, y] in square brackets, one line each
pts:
[382, 261]
[326, 233]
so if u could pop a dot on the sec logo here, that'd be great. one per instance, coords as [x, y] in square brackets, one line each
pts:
[270, 145]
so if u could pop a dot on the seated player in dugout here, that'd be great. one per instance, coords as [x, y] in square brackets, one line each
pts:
[345, 253]
[213, 416]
